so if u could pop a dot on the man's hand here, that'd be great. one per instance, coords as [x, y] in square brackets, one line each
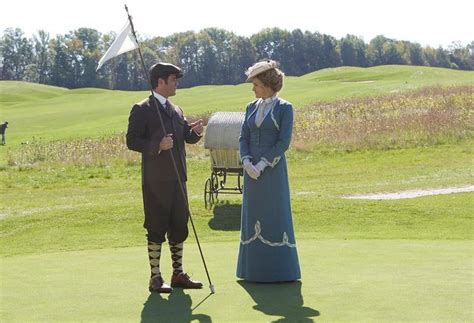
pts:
[197, 126]
[167, 142]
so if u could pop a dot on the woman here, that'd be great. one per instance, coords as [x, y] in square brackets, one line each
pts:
[267, 247]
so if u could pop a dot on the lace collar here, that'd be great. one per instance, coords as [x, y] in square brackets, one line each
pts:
[269, 100]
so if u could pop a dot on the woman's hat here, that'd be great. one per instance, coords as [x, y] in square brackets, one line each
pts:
[259, 68]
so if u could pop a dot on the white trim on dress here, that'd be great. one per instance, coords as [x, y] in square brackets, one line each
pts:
[272, 164]
[257, 235]
[252, 112]
[273, 118]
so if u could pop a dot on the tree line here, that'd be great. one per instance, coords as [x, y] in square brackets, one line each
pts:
[210, 56]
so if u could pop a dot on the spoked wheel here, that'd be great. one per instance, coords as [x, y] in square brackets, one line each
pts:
[208, 194]
[239, 183]
[215, 186]
[224, 179]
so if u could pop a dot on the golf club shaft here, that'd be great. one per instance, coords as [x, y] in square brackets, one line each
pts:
[180, 183]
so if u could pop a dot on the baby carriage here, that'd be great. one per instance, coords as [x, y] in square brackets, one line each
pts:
[222, 140]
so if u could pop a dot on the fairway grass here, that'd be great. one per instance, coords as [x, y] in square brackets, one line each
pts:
[73, 247]
[342, 281]
[72, 244]
[64, 208]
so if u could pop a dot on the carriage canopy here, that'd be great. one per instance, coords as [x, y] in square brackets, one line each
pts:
[223, 130]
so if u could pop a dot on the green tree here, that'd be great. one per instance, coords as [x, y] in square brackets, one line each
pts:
[84, 45]
[211, 56]
[187, 57]
[442, 57]
[208, 58]
[375, 50]
[16, 54]
[42, 56]
[271, 43]
[242, 56]
[313, 55]
[62, 69]
[390, 54]
[120, 79]
[429, 56]
[294, 53]
[353, 51]
[416, 54]
[331, 53]
[461, 56]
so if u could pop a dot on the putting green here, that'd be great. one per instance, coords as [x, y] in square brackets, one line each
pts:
[353, 280]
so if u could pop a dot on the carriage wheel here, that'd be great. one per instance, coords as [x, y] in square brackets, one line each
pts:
[239, 184]
[208, 196]
[215, 185]
[224, 179]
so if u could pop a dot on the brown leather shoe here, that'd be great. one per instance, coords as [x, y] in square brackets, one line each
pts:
[158, 285]
[184, 281]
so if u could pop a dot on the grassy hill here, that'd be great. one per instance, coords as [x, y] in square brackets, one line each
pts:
[51, 113]
[72, 245]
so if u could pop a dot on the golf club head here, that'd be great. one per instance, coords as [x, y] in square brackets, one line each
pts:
[211, 287]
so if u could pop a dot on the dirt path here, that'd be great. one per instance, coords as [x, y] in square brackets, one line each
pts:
[411, 194]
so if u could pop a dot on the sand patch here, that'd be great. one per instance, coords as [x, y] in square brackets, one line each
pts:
[411, 194]
[360, 82]
[304, 193]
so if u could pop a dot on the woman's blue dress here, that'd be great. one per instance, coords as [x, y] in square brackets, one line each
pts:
[267, 250]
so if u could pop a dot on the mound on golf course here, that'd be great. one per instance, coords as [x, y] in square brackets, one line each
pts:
[73, 249]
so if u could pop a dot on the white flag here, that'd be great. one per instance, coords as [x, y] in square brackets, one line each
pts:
[123, 43]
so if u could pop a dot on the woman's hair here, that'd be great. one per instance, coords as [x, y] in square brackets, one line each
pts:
[272, 78]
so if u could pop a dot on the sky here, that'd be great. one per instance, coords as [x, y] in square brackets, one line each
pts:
[428, 22]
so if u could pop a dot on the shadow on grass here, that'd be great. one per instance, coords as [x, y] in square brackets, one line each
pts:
[175, 308]
[282, 299]
[226, 217]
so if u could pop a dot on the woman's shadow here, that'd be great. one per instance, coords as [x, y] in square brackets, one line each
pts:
[177, 308]
[282, 299]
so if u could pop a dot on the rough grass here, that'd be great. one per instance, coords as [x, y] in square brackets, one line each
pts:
[417, 118]
[49, 114]
[424, 117]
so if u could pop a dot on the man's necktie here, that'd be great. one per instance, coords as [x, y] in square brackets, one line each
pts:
[168, 108]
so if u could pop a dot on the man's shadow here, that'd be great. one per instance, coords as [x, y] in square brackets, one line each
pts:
[177, 308]
[282, 299]
[226, 217]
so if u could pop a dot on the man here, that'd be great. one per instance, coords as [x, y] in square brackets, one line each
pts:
[166, 211]
[3, 129]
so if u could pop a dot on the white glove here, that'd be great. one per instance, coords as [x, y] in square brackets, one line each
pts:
[250, 169]
[261, 166]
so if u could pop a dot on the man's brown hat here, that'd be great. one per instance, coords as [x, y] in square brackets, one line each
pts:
[164, 70]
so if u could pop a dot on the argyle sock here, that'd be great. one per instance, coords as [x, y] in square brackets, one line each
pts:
[154, 254]
[177, 257]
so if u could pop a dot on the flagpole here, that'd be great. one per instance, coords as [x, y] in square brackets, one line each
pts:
[180, 183]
